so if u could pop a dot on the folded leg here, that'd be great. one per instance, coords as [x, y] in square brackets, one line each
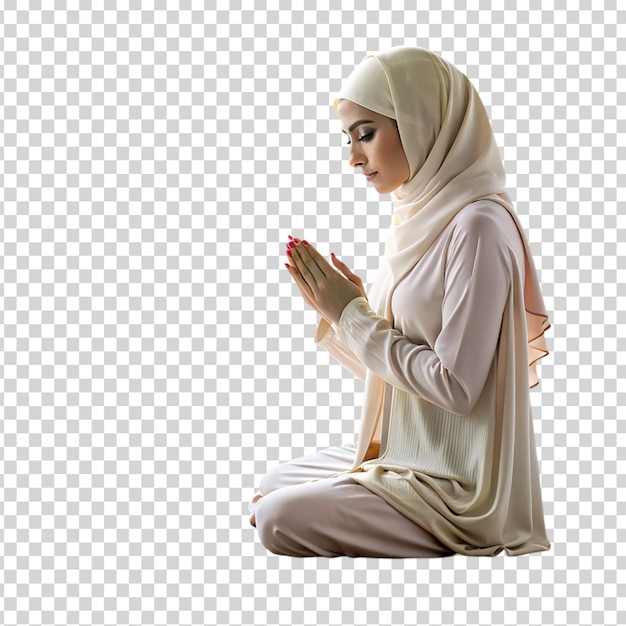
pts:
[337, 516]
[321, 464]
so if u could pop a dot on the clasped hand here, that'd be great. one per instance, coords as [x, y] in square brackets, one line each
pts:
[321, 286]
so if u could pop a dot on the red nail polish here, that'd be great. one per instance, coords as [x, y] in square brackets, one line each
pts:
[290, 237]
[291, 244]
[296, 240]
[287, 265]
[306, 243]
[289, 253]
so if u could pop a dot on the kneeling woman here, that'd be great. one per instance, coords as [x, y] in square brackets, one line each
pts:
[446, 340]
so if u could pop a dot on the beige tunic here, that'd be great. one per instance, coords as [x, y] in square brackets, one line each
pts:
[458, 452]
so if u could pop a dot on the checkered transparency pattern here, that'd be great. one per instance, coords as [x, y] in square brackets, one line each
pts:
[156, 359]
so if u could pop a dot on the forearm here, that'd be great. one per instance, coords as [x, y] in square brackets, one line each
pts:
[413, 367]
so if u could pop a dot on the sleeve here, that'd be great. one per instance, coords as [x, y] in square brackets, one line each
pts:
[452, 373]
[326, 336]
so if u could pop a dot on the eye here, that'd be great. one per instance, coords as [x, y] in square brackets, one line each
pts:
[365, 138]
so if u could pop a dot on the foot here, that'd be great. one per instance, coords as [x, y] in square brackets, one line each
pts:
[257, 496]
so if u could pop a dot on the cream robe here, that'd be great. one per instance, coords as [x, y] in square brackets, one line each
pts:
[458, 451]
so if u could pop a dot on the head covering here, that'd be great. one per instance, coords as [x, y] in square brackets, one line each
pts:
[454, 161]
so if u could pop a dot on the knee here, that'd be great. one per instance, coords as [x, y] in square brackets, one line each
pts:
[278, 525]
[270, 516]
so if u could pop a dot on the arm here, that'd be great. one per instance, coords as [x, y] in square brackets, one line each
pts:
[452, 373]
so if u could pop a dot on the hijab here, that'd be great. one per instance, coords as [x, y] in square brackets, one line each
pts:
[454, 161]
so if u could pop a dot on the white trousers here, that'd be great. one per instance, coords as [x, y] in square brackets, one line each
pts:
[311, 507]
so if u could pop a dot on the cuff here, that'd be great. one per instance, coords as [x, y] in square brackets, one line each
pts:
[347, 311]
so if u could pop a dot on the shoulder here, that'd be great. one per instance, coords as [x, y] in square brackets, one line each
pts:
[483, 218]
[483, 231]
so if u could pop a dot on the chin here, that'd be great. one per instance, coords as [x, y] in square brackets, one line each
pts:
[382, 189]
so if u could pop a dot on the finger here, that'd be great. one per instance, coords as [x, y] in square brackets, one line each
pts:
[309, 251]
[304, 287]
[344, 268]
[339, 264]
[306, 265]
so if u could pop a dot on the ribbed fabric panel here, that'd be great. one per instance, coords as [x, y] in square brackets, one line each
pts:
[426, 438]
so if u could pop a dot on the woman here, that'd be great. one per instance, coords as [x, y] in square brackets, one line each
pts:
[446, 340]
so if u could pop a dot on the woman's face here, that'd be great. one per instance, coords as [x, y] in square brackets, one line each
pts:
[375, 146]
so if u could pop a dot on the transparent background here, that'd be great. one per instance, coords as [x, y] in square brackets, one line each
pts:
[156, 359]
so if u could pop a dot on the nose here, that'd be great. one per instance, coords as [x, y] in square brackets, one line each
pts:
[357, 158]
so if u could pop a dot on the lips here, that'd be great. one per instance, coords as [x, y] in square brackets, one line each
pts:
[370, 176]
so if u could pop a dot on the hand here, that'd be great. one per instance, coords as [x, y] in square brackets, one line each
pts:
[348, 274]
[321, 286]
[339, 265]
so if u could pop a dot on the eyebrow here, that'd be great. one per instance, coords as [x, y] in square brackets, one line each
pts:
[358, 124]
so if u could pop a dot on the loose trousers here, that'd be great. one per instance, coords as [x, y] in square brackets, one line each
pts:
[311, 507]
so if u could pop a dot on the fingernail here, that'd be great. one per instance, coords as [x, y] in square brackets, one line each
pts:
[306, 243]
[290, 237]
[289, 253]
[332, 254]
[287, 265]
[291, 244]
[296, 240]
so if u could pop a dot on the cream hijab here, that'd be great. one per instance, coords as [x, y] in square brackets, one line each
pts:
[454, 160]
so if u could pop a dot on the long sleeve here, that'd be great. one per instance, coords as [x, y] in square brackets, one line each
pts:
[452, 372]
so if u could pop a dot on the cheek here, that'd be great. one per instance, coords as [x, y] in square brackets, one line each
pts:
[400, 163]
